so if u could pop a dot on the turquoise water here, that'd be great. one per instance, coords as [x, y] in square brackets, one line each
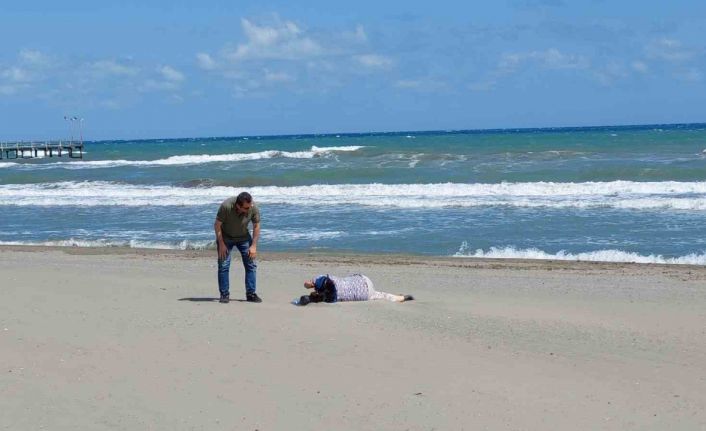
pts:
[602, 193]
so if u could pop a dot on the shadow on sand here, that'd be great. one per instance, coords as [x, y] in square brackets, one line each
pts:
[205, 299]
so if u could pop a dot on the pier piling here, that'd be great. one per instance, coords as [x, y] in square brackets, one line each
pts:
[31, 150]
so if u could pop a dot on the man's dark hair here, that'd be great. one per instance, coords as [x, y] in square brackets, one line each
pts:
[243, 198]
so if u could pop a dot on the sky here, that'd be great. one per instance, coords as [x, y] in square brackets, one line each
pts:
[169, 69]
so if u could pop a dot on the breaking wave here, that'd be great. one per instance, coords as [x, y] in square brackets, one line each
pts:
[271, 235]
[591, 256]
[669, 195]
[102, 243]
[189, 159]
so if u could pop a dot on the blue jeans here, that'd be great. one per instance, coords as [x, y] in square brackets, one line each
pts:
[224, 267]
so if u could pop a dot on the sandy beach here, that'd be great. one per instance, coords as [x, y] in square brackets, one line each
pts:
[126, 339]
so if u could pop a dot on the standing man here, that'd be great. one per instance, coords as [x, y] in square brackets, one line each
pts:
[231, 226]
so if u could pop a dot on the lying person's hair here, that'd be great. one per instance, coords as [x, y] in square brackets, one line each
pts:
[327, 293]
[329, 290]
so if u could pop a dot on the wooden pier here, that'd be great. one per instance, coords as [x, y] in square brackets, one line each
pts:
[30, 150]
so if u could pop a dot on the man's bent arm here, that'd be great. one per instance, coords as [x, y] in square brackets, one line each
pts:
[255, 233]
[252, 252]
[218, 228]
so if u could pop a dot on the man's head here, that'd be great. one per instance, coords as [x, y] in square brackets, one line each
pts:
[243, 203]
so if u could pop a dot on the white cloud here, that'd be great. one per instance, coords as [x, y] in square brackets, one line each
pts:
[282, 41]
[551, 58]
[321, 65]
[234, 74]
[374, 61]
[511, 63]
[111, 67]
[673, 57]
[16, 74]
[537, 4]
[421, 84]
[155, 85]
[205, 61]
[110, 104]
[247, 88]
[262, 35]
[34, 57]
[29, 68]
[278, 76]
[169, 80]
[408, 83]
[482, 85]
[8, 90]
[359, 35]
[690, 75]
[281, 51]
[106, 82]
[640, 67]
[669, 50]
[170, 74]
[617, 70]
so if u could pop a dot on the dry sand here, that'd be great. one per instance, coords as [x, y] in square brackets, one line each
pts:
[134, 340]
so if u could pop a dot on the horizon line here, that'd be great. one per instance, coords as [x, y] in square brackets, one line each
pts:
[397, 132]
[428, 132]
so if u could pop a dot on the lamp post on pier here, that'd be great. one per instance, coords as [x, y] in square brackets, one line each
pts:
[71, 126]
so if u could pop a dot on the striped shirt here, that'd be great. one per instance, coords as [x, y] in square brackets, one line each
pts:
[355, 287]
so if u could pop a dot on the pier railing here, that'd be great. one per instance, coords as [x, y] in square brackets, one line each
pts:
[30, 150]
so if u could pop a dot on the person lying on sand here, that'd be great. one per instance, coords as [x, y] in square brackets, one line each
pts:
[356, 287]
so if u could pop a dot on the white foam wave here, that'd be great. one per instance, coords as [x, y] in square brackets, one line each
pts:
[616, 194]
[610, 255]
[292, 235]
[592, 256]
[102, 243]
[271, 235]
[193, 159]
[344, 148]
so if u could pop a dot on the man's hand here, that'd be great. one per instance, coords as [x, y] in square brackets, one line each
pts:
[222, 250]
[220, 244]
[252, 252]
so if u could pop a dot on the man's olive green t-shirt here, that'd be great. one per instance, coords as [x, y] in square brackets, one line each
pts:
[235, 226]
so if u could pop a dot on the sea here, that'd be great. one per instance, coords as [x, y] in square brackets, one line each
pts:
[621, 194]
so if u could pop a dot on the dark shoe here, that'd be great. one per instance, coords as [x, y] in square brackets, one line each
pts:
[224, 299]
[408, 298]
[252, 297]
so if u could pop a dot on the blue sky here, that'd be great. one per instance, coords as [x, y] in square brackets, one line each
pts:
[147, 69]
